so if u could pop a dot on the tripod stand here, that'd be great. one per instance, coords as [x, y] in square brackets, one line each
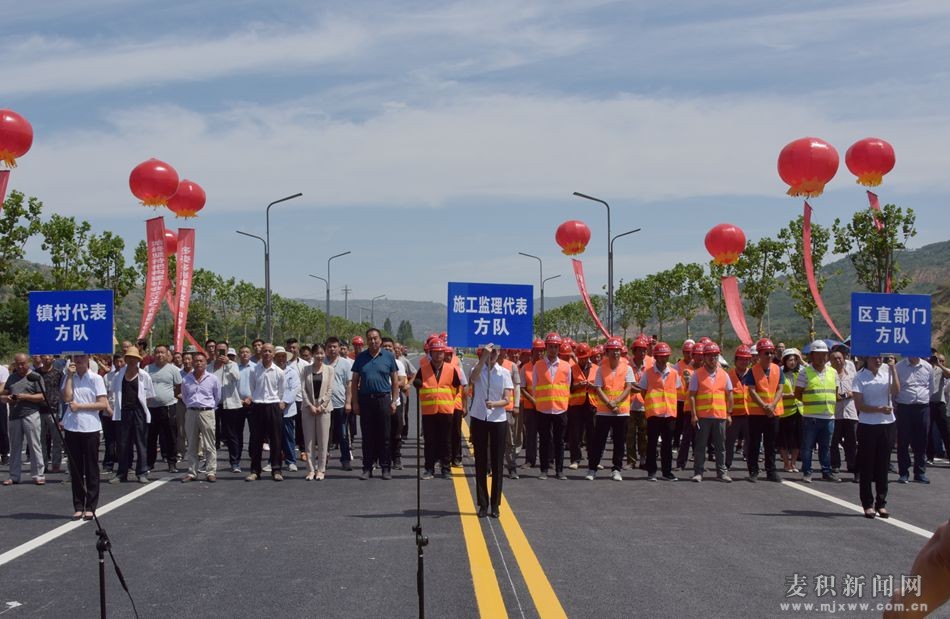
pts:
[103, 544]
[421, 540]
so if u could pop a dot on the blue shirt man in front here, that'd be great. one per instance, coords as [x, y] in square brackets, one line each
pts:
[375, 388]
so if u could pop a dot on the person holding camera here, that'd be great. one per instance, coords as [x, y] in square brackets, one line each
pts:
[84, 394]
[873, 389]
[25, 398]
[492, 390]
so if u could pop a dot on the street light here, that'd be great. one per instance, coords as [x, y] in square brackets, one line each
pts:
[610, 263]
[541, 279]
[363, 309]
[269, 326]
[254, 236]
[326, 314]
[327, 280]
[372, 310]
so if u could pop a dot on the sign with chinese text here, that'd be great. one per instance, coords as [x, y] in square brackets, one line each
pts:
[890, 323]
[70, 321]
[501, 314]
[185, 262]
[156, 279]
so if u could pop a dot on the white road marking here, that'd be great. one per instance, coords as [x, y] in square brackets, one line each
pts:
[59, 531]
[857, 508]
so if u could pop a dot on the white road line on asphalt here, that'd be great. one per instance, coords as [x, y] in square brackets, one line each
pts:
[900, 524]
[59, 531]
[507, 571]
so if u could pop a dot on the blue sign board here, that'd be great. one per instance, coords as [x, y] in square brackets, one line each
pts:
[71, 321]
[500, 314]
[890, 323]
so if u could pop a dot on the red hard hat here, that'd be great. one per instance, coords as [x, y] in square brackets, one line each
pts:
[642, 341]
[437, 345]
[614, 343]
[552, 338]
[598, 350]
[537, 344]
[565, 349]
[662, 350]
[698, 348]
[705, 339]
[583, 351]
[358, 341]
[688, 345]
[448, 349]
[711, 348]
[743, 352]
[764, 345]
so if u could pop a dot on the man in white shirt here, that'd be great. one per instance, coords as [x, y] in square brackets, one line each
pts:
[913, 419]
[268, 384]
[297, 363]
[4, 412]
[492, 389]
[231, 409]
[291, 392]
[340, 400]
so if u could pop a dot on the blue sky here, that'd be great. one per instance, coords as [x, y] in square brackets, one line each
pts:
[435, 140]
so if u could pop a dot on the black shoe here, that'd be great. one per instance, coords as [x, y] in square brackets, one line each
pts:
[482, 511]
[397, 465]
[347, 466]
[366, 475]
[773, 476]
[494, 512]
[387, 474]
[446, 473]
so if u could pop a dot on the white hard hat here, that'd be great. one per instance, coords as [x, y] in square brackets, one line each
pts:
[791, 351]
[818, 346]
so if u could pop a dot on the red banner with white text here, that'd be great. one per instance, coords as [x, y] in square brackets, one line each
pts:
[582, 287]
[4, 179]
[185, 265]
[156, 279]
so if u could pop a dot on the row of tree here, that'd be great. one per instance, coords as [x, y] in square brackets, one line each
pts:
[677, 295]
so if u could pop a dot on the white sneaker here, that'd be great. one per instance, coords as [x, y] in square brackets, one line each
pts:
[616, 476]
[590, 475]
[291, 467]
[267, 468]
[573, 466]
[697, 478]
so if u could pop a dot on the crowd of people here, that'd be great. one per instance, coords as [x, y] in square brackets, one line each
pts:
[771, 406]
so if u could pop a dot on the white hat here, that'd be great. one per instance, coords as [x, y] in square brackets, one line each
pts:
[817, 346]
[231, 351]
[279, 350]
[791, 351]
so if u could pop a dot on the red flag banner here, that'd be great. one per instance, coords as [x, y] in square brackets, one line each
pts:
[810, 270]
[733, 300]
[582, 287]
[876, 207]
[170, 301]
[185, 264]
[4, 179]
[156, 279]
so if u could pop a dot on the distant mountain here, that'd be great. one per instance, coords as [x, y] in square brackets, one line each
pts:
[425, 316]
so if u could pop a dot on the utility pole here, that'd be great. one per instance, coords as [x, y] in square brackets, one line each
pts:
[346, 301]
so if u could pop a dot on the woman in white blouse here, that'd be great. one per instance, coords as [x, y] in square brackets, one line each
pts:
[84, 394]
[316, 383]
[873, 391]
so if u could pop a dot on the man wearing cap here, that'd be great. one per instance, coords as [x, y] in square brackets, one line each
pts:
[710, 392]
[268, 386]
[738, 430]
[612, 384]
[817, 388]
[528, 409]
[131, 390]
[637, 432]
[460, 407]
[201, 393]
[659, 385]
[375, 388]
[291, 389]
[913, 417]
[552, 391]
[579, 417]
[688, 437]
[684, 368]
[231, 408]
[436, 385]
[764, 401]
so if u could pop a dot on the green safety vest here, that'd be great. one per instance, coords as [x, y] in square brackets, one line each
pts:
[790, 404]
[818, 399]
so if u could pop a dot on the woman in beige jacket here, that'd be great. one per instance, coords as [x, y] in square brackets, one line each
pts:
[316, 381]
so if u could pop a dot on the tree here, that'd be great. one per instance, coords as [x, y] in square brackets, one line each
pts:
[688, 298]
[388, 326]
[106, 263]
[66, 241]
[797, 282]
[634, 297]
[18, 222]
[404, 331]
[664, 286]
[710, 289]
[872, 251]
[757, 270]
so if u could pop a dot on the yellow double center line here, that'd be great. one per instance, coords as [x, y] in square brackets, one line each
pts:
[487, 590]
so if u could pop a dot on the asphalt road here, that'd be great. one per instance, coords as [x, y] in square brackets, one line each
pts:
[345, 548]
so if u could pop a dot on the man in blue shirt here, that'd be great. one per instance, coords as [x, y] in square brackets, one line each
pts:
[375, 390]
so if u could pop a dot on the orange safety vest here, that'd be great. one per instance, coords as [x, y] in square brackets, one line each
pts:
[527, 385]
[660, 397]
[637, 374]
[508, 365]
[552, 395]
[711, 394]
[437, 395]
[614, 381]
[766, 387]
[579, 397]
[740, 397]
[682, 395]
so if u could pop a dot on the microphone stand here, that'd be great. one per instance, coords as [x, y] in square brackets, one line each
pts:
[421, 540]
[103, 544]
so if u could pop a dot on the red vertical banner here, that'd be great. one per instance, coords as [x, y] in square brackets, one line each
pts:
[4, 179]
[582, 287]
[876, 207]
[156, 279]
[185, 264]
[733, 301]
[810, 271]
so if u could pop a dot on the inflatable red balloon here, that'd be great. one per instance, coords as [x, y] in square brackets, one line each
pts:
[171, 242]
[188, 200]
[870, 159]
[573, 237]
[16, 137]
[807, 165]
[725, 243]
[153, 182]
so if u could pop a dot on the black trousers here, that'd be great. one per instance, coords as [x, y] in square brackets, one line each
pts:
[267, 424]
[874, 458]
[376, 417]
[762, 429]
[160, 432]
[579, 422]
[298, 429]
[737, 430]
[132, 434]
[530, 439]
[232, 431]
[488, 441]
[551, 439]
[83, 449]
[678, 426]
[660, 428]
[110, 432]
[605, 425]
[395, 430]
[438, 433]
[4, 431]
[685, 420]
[456, 435]
[846, 431]
[405, 414]
[940, 426]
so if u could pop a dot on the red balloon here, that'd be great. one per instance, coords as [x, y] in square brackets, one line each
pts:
[725, 243]
[870, 159]
[153, 182]
[188, 200]
[806, 165]
[171, 242]
[573, 237]
[16, 137]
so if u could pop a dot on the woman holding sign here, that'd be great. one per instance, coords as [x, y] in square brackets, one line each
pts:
[873, 391]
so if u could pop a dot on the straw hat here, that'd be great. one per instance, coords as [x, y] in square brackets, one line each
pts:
[133, 352]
